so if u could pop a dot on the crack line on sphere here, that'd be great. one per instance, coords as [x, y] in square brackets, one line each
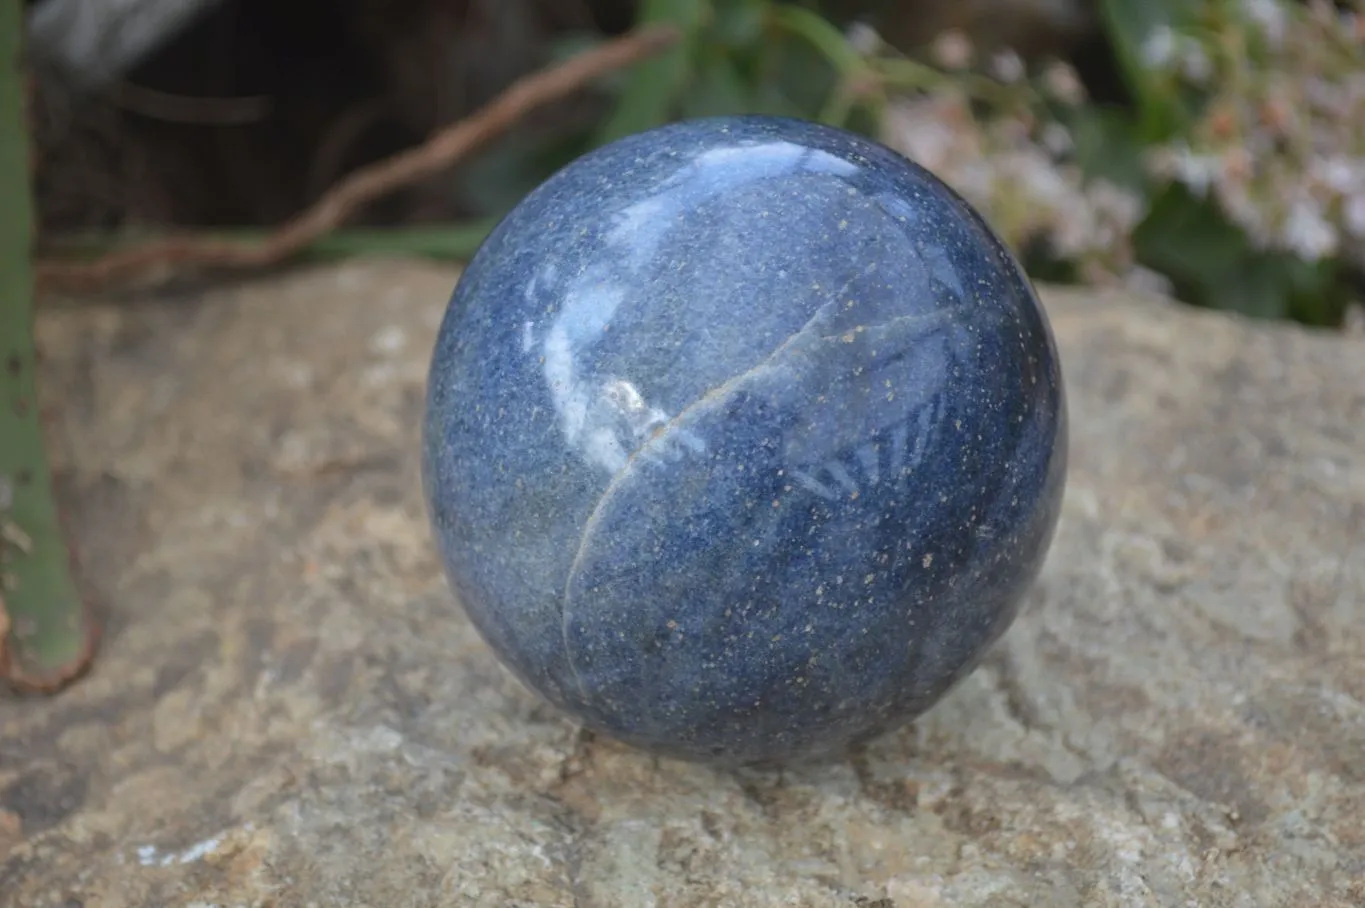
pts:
[659, 438]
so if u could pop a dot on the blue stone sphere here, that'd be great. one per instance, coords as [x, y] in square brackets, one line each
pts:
[744, 439]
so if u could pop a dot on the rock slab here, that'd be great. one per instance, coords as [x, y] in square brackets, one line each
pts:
[290, 709]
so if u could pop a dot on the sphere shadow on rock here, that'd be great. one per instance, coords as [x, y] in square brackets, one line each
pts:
[744, 439]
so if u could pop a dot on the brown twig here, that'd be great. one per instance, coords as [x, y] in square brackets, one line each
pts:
[330, 211]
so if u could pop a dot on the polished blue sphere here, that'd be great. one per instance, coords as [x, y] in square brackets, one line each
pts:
[744, 439]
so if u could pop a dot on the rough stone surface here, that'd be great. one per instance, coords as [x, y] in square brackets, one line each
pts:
[289, 711]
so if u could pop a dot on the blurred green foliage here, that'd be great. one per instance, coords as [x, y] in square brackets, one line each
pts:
[795, 58]
[1198, 68]
[736, 56]
[1224, 152]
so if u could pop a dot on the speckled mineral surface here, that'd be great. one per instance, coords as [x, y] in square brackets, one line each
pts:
[745, 438]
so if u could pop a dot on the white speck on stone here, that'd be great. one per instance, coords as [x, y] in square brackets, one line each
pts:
[389, 340]
[151, 856]
[197, 851]
[381, 738]
[1126, 846]
[378, 376]
[298, 375]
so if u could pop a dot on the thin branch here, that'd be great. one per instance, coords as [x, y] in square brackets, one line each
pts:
[437, 154]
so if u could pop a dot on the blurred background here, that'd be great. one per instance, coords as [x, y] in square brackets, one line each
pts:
[1213, 150]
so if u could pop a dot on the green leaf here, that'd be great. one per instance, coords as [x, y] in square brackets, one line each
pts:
[1257, 290]
[655, 85]
[1319, 292]
[1212, 263]
[770, 98]
[797, 71]
[720, 89]
[1108, 147]
[501, 175]
[572, 43]
[46, 632]
[821, 35]
[1188, 239]
[739, 23]
[1132, 26]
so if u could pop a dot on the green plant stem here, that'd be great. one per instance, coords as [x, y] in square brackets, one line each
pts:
[861, 78]
[852, 69]
[908, 75]
[827, 39]
[652, 91]
[47, 635]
